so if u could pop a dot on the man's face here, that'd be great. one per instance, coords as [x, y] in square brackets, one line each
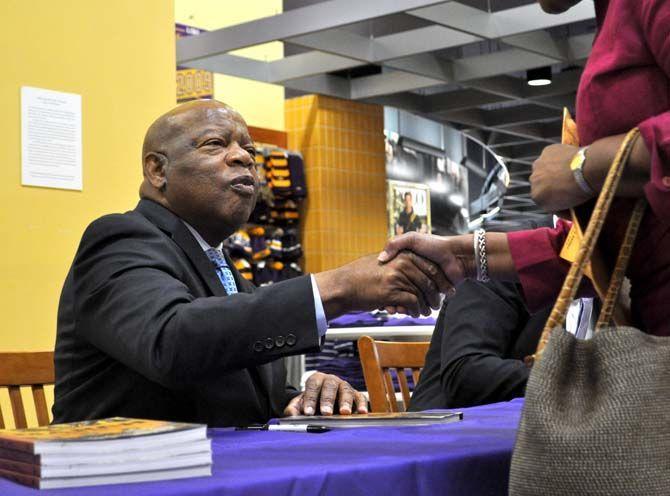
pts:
[211, 179]
[408, 202]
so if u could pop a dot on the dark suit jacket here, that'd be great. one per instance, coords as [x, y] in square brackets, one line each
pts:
[145, 329]
[476, 352]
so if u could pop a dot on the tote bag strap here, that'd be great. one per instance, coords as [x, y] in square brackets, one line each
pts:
[619, 272]
[574, 276]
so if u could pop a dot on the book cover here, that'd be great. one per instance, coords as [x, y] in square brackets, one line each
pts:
[95, 435]
[375, 419]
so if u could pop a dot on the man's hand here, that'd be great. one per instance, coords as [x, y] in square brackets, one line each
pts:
[552, 183]
[326, 394]
[409, 281]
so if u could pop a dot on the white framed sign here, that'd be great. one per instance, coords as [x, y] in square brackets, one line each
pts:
[51, 141]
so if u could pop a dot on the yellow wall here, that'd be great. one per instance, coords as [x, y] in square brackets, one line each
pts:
[342, 143]
[261, 104]
[119, 56]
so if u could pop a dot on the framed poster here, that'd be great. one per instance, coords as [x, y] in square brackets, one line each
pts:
[408, 206]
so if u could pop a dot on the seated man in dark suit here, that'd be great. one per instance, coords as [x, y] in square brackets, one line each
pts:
[154, 321]
[476, 353]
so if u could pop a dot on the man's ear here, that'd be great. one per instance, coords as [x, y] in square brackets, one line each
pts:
[155, 169]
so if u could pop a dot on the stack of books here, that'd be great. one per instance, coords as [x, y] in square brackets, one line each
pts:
[109, 451]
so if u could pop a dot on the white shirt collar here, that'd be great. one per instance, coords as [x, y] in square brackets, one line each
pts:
[203, 244]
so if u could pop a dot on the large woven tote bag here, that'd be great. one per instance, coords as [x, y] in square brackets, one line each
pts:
[596, 418]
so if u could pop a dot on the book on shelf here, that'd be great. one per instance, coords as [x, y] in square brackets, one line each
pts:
[108, 451]
[375, 419]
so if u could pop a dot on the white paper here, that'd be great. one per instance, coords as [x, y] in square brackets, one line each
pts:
[51, 139]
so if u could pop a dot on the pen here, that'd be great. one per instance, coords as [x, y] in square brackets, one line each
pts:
[314, 429]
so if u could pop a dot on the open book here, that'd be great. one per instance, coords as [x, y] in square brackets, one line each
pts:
[375, 419]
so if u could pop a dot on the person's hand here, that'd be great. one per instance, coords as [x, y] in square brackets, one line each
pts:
[409, 281]
[441, 250]
[327, 394]
[552, 183]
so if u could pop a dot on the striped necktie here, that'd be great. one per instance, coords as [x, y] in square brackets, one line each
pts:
[222, 270]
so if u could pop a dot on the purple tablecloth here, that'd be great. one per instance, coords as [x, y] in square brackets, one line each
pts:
[465, 458]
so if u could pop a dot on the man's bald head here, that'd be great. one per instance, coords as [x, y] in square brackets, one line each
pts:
[171, 124]
[198, 162]
[162, 136]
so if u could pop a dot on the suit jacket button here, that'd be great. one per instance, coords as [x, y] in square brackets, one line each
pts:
[280, 341]
[291, 339]
[269, 343]
[258, 346]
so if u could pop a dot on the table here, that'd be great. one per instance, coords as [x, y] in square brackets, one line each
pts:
[471, 457]
[381, 332]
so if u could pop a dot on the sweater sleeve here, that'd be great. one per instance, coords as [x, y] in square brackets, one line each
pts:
[536, 256]
[655, 131]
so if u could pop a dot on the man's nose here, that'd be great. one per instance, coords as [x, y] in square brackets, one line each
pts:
[238, 156]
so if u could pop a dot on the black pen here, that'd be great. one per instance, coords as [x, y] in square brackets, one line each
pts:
[314, 429]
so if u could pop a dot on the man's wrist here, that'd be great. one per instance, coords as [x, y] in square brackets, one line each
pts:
[333, 295]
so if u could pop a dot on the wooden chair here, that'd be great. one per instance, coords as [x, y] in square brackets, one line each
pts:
[34, 369]
[378, 358]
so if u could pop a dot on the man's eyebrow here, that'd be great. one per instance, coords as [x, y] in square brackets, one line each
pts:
[211, 131]
[229, 135]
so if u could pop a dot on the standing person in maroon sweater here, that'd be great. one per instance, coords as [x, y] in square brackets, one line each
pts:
[626, 83]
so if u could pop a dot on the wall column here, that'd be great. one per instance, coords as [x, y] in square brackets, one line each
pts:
[342, 143]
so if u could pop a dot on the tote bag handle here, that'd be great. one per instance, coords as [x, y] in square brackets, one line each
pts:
[576, 272]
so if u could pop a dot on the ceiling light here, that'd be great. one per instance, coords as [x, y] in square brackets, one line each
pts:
[457, 199]
[539, 77]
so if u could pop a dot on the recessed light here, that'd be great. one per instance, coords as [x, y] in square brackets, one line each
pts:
[539, 77]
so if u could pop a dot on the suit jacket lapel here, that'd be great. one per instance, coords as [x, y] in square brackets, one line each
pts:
[177, 230]
[193, 250]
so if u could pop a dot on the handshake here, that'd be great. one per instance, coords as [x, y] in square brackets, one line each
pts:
[409, 276]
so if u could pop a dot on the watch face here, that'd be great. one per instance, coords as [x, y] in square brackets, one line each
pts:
[578, 160]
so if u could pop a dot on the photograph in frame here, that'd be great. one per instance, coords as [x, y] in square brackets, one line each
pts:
[408, 206]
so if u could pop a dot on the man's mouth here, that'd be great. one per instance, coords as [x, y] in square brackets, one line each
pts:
[244, 185]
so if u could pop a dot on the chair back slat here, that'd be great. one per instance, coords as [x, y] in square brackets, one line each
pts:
[34, 369]
[415, 375]
[404, 388]
[377, 358]
[41, 409]
[17, 407]
[373, 374]
[391, 404]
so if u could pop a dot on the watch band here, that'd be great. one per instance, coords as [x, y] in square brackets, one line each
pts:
[577, 167]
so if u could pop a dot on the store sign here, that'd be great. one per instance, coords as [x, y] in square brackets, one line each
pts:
[192, 84]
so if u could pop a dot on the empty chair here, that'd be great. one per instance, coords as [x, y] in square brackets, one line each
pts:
[34, 369]
[378, 358]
